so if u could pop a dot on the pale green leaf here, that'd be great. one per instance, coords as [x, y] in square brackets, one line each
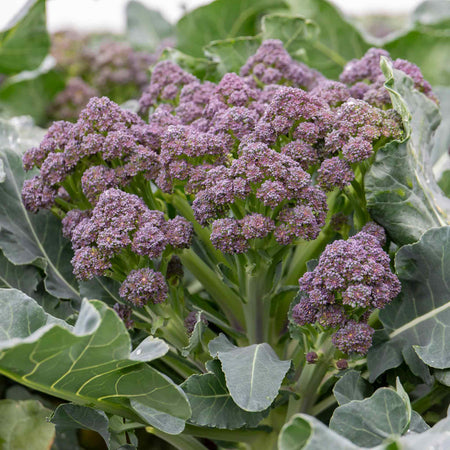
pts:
[337, 42]
[146, 28]
[23, 425]
[369, 422]
[231, 54]
[351, 387]
[25, 42]
[308, 433]
[253, 374]
[221, 19]
[420, 315]
[402, 194]
[211, 403]
[88, 364]
[69, 415]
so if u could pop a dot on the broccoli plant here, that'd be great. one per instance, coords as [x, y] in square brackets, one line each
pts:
[237, 260]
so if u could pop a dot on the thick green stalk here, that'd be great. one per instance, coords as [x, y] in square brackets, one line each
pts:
[179, 441]
[230, 303]
[310, 379]
[257, 308]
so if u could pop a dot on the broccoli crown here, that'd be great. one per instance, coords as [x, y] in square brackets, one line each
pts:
[352, 279]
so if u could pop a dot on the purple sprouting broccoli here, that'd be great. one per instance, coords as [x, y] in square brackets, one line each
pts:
[357, 126]
[144, 286]
[166, 83]
[341, 364]
[273, 180]
[68, 103]
[366, 80]
[311, 357]
[272, 64]
[334, 172]
[352, 279]
[119, 71]
[122, 221]
[187, 154]
[107, 147]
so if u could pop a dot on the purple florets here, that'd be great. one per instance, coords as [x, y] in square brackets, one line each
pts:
[352, 278]
[122, 221]
[165, 85]
[334, 172]
[144, 286]
[272, 64]
[354, 337]
[71, 220]
[311, 357]
[367, 69]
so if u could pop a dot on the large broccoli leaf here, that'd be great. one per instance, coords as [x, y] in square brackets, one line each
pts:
[146, 28]
[31, 238]
[402, 194]
[25, 42]
[221, 19]
[304, 432]
[212, 404]
[420, 315]
[253, 374]
[337, 41]
[90, 363]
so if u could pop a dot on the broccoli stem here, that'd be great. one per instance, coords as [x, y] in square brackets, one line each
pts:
[257, 308]
[310, 379]
[230, 303]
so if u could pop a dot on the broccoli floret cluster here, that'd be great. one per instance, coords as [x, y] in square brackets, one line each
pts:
[366, 81]
[256, 155]
[352, 279]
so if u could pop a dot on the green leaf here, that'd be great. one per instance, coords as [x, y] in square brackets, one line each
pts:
[351, 387]
[31, 238]
[253, 374]
[88, 364]
[211, 403]
[202, 68]
[443, 376]
[195, 339]
[231, 54]
[221, 19]
[25, 42]
[436, 437]
[442, 136]
[402, 194]
[337, 42]
[369, 422]
[31, 93]
[146, 28]
[417, 424]
[23, 425]
[420, 315]
[24, 278]
[69, 416]
[308, 433]
[435, 13]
